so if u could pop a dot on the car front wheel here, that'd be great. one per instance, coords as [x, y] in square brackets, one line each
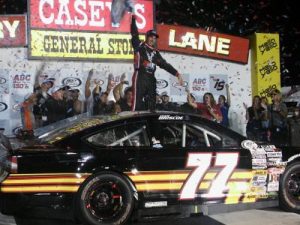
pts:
[289, 195]
[105, 198]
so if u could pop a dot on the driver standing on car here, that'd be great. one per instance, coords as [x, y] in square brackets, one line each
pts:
[146, 57]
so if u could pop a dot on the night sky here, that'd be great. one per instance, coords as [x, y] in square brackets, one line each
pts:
[241, 18]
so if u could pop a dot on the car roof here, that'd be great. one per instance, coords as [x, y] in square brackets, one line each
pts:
[60, 130]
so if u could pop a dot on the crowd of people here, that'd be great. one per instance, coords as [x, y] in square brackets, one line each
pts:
[50, 103]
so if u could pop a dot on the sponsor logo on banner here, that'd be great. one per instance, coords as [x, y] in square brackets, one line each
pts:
[200, 42]
[72, 81]
[79, 45]
[86, 29]
[22, 81]
[12, 30]
[2, 80]
[177, 85]
[161, 84]
[217, 84]
[266, 75]
[3, 106]
[89, 15]
[16, 107]
[200, 85]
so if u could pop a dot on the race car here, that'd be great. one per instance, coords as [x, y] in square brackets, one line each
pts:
[106, 169]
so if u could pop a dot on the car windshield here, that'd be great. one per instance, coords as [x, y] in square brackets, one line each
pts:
[61, 129]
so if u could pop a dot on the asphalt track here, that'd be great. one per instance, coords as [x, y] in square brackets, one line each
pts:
[267, 216]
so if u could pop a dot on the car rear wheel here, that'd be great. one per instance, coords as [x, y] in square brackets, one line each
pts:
[105, 198]
[289, 195]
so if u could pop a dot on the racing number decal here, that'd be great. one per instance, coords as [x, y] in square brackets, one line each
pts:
[202, 163]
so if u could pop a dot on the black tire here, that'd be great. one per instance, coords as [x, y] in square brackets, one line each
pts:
[289, 191]
[105, 198]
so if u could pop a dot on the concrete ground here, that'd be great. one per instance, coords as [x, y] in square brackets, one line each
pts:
[268, 216]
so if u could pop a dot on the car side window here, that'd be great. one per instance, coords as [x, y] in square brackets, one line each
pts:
[171, 134]
[198, 136]
[132, 134]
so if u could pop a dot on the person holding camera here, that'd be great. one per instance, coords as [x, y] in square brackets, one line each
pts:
[277, 115]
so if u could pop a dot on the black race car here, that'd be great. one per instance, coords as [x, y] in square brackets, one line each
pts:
[105, 169]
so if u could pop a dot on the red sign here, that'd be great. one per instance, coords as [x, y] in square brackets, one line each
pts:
[200, 42]
[90, 15]
[12, 31]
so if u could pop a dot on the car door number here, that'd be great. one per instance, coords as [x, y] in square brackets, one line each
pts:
[201, 163]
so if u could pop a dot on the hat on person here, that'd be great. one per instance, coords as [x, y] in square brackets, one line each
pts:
[74, 90]
[275, 92]
[164, 94]
[49, 80]
[193, 96]
[28, 96]
[152, 33]
[55, 89]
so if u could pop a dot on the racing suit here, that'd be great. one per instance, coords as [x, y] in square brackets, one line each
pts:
[143, 80]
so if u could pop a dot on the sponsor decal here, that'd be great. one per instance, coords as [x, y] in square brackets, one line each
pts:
[156, 204]
[273, 186]
[274, 154]
[200, 42]
[169, 117]
[72, 81]
[3, 106]
[12, 30]
[217, 84]
[2, 80]
[275, 170]
[160, 83]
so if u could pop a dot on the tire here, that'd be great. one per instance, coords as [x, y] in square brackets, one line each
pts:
[105, 198]
[289, 189]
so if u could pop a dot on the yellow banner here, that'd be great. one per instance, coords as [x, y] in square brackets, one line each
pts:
[266, 64]
[80, 45]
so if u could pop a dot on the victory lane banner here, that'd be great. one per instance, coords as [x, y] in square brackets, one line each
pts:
[80, 45]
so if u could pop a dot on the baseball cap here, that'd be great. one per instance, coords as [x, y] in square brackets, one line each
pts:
[152, 33]
[164, 94]
[49, 80]
[74, 90]
[55, 89]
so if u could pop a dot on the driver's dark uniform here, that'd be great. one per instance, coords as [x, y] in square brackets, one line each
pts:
[143, 81]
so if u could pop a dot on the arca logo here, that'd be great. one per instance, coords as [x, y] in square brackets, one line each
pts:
[160, 83]
[177, 85]
[3, 106]
[2, 80]
[71, 81]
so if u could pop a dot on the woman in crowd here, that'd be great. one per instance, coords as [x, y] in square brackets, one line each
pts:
[224, 106]
[277, 115]
[254, 116]
[209, 109]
